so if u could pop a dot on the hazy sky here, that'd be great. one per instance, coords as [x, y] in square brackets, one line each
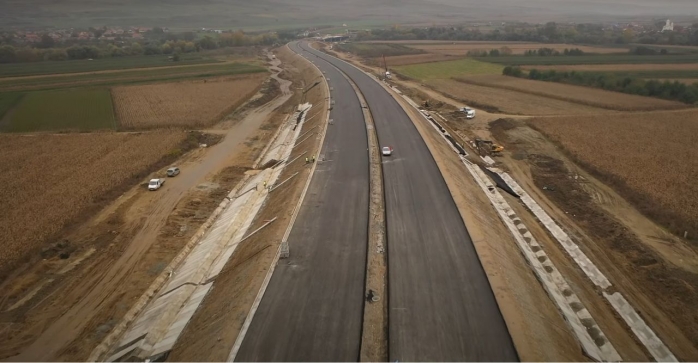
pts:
[286, 13]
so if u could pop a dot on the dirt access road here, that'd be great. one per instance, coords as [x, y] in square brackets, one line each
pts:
[89, 298]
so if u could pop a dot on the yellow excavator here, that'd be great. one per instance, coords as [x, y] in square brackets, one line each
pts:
[488, 147]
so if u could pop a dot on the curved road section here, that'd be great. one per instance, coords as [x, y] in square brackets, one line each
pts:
[441, 306]
[313, 307]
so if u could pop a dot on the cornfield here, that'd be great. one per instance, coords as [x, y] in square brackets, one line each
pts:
[183, 104]
[648, 158]
[575, 94]
[49, 181]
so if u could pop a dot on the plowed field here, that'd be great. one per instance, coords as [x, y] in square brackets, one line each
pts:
[189, 104]
[49, 181]
[576, 94]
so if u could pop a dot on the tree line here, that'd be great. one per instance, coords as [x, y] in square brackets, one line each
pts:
[506, 51]
[164, 45]
[544, 33]
[675, 91]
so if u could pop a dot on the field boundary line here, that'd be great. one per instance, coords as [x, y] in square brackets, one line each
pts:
[258, 299]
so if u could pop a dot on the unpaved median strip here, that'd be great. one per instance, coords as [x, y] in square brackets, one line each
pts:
[374, 332]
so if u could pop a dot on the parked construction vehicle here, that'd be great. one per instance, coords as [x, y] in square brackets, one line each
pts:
[488, 147]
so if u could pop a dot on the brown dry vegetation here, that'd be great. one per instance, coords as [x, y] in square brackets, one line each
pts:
[49, 181]
[182, 104]
[576, 94]
[646, 157]
[511, 102]
[516, 47]
[618, 67]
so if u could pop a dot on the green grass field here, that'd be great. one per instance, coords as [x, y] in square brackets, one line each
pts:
[75, 66]
[65, 110]
[7, 101]
[127, 77]
[594, 59]
[448, 69]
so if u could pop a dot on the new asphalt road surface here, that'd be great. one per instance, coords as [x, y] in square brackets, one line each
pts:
[441, 306]
[313, 306]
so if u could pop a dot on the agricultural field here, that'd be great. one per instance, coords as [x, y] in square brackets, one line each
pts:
[79, 66]
[402, 60]
[509, 102]
[595, 59]
[62, 177]
[647, 157]
[8, 101]
[517, 48]
[575, 94]
[448, 69]
[62, 110]
[111, 78]
[618, 67]
[372, 50]
[182, 104]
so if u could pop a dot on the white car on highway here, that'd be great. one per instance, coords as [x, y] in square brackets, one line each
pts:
[387, 151]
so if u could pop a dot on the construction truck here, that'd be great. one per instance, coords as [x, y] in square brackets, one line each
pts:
[488, 147]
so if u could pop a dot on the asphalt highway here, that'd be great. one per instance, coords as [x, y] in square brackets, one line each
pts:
[441, 306]
[313, 307]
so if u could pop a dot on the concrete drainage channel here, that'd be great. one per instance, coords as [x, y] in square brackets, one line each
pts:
[644, 333]
[151, 328]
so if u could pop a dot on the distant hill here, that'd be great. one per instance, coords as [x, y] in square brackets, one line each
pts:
[277, 14]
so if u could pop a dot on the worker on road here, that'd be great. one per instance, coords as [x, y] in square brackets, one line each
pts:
[312, 159]
[307, 160]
